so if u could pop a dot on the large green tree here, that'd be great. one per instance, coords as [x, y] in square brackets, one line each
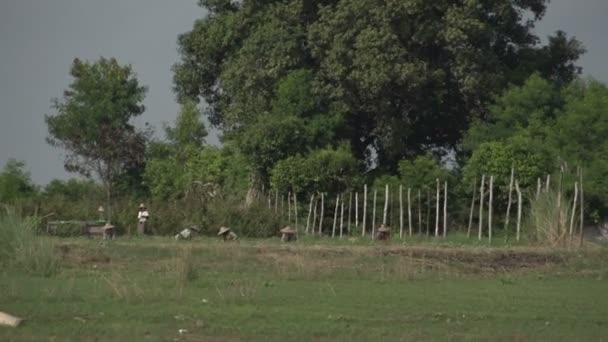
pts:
[403, 77]
[15, 182]
[93, 121]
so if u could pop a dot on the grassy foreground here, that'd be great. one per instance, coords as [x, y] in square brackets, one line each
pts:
[147, 290]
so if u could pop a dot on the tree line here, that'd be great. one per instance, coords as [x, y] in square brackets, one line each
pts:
[327, 96]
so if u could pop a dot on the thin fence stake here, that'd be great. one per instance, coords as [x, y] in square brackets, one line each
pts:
[333, 229]
[374, 215]
[437, 211]
[445, 209]
[401, 211]
[409, 211]
[582, 220]
[509, 203]
[472, 209]
[342, 217]
[364, 210]
[322, 213]
[385, 204]
[350, 200]
[519, 205]
[312, 198]
[419, 213]
[490, 205]
[481, 195]
[570, 233]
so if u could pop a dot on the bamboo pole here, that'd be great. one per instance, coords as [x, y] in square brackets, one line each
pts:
[571, 232]
[401, 211]
[445, 209]
[428, 211]
[342, 218]
[437, 210]
[548, 183]
[385, 204]
[356, 210]
[490, 209]
[582, 211]
[509, 203]
[409, 211]
[322, 213]
[350, 200]
[276, 202]
[314, 217]
[269, 200]
[519, 205]
[374, 215]
[538, 187]
[295, 209]
[481, 195]
[364, 210]
[333, 229]
[419, 213]
[472, 208]
[289, 207]
[312, 198]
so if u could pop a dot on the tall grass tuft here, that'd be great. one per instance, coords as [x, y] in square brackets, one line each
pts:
[548, 220]
[22, 249]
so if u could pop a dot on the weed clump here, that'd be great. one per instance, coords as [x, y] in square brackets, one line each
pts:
[22, 249]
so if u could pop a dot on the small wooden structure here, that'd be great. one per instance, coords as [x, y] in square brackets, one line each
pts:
[288, 234]
[86, 228]
[227, 234]
[383, 233]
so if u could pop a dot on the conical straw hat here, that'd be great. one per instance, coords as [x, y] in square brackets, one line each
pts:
[223, 230]
[287, 230]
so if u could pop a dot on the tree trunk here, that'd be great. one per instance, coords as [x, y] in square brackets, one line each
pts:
[519, 205]
[481, 195]
[437, 210]
[490, 209]
[385, 205]
[472, 209]
[333, 229]
[509, 203]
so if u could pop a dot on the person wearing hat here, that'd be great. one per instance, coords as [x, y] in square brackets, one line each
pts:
[227, 234]
[384, 232]
[109, 231]
[187, 233]
[288, 234]
[142, 219]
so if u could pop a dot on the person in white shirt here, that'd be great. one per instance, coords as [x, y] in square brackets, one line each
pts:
[142, 219]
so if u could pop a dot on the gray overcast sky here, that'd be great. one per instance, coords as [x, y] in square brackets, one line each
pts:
[39, 39]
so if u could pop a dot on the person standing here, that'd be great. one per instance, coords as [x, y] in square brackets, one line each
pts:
[142, 219]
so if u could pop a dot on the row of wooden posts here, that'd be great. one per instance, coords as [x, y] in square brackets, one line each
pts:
[315, 226]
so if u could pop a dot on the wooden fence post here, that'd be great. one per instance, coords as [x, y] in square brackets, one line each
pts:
[374, 215]
[538, 187]
[548, 183]
[509, 203]
[582, 223]
[356, 210]
[364, 210]
[342, 217]
[312, 198]
[481, 195]
[428, 211]
[445, 209]
[519, 205]
[350, 200]
[289, 207]
[295, 209]
[490, 205]
[437, 210]
[409, 211]
[322, 213]
[314, 217]
[333, 229]
[472, 208]
[419, 213]
[570, 233]
[385, 204]
[401, 211]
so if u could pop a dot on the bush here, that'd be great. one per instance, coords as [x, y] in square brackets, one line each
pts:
[22, 249]
[550, 223]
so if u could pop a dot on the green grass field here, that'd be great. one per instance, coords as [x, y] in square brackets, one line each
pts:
[149, 289]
